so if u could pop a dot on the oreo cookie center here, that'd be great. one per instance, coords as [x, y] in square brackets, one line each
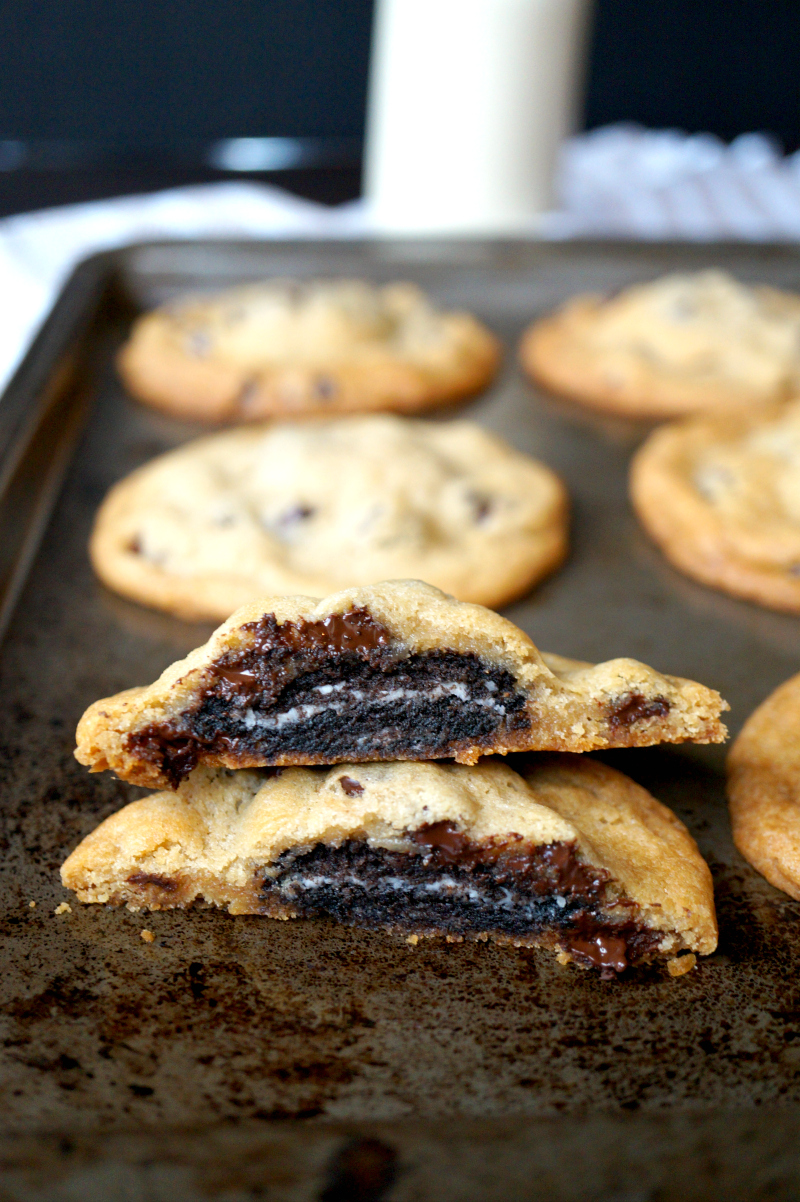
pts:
[446, 885]
[342, 688]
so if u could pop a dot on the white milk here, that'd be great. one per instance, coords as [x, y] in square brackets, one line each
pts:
[468, 102]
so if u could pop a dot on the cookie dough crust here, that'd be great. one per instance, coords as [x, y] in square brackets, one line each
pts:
[764, 788]
[678, 345]
[594, 867]
[717, 495]
[315, 507]
[420, 676]
[286, 348]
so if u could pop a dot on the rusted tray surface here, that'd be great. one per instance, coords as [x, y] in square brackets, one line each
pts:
[245, 1019]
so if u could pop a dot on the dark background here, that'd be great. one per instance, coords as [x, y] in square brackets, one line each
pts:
[147, 82]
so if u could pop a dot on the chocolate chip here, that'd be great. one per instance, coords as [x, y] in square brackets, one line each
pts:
[603, 951]
[298, 513]
[244, 680]
[325, 388]
[134, 547]
[151, 878]
[481, 505]
[636, 708]
[444, 837]
[352, 788]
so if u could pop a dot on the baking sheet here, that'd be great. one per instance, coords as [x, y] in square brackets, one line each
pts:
[247, 1020]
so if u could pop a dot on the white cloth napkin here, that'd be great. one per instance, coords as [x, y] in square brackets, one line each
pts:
[39, 250]
[627, 182]
[620, 181]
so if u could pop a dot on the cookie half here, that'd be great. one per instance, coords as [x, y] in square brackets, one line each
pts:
[576, 857]
[291, 348]
[396, 671]
[721, 497]
[314, 507]
[680, 344]
[764, 788]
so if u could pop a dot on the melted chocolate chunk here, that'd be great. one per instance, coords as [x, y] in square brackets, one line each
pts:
[355, 630]
[454, 886]
[443, 842]
[335, 690]
[164, 883]
[353, 788]
[175, 754]
[240, 680]
[635, 708]
[603, 951]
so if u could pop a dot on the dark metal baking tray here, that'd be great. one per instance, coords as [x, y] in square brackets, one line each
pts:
[305, 1060]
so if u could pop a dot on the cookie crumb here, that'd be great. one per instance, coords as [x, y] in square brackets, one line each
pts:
[564, 958]
[413, 940]
[680, 965]
[64, 908]
[31, 905]
[148, 936]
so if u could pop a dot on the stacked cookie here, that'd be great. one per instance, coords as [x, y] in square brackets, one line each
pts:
[332, 758]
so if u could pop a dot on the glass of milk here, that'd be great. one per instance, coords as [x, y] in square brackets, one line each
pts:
[468, 103]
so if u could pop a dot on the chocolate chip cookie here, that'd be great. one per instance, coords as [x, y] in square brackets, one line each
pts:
[764, 788]
[721, 497]
[677, 345]
[290, 348]
[575, 857]
[318, 506]
[395, 671]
